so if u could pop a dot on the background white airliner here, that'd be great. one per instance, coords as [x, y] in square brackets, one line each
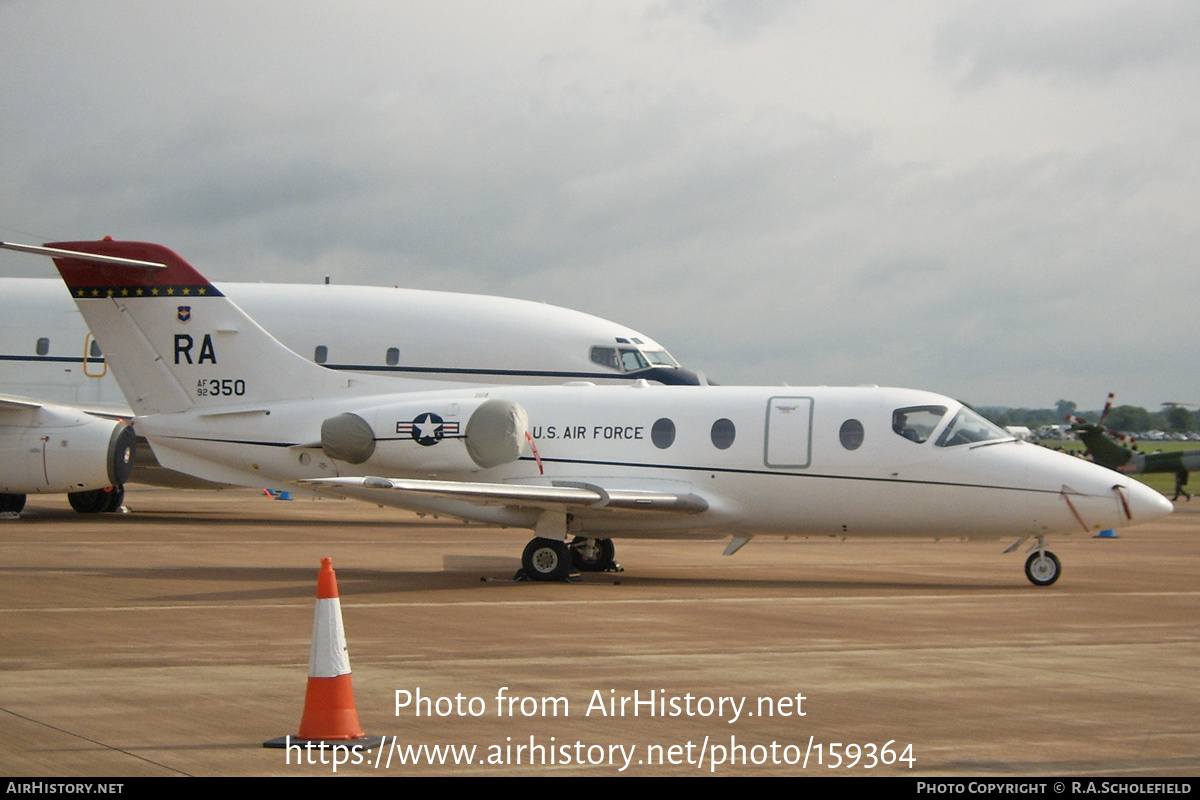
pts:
[54, 378]
[218, 397]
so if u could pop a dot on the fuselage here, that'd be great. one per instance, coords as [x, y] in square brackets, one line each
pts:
[47, 352]
[797, 461]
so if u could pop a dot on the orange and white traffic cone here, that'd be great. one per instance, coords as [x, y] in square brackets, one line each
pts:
[330, 716]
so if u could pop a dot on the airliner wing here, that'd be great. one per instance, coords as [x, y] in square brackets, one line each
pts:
[559, 495]
[10, 402]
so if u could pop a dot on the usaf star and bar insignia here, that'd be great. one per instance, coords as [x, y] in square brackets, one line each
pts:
[428, 429]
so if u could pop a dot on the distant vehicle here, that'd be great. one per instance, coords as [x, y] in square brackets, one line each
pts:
[1051, 432]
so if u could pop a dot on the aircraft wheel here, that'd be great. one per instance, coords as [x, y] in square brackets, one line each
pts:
[1042, 568]
[115, 498]
[11, 503]
[547, 560]
[95, 501]
[592, 555]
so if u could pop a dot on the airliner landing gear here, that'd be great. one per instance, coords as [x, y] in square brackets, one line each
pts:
[98, 501]
[1042, 567]
[546, 560]
[11, 503]
[593, 555]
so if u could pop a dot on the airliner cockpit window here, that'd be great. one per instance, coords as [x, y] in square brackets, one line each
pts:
[917, 422]
[968, 428]
[627, 359]
[606, 357]
[660, 358]
[633, 360]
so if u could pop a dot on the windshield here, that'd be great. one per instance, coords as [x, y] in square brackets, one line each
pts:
[968, 427]
[629, 359]
[660, 358]
[632, 360]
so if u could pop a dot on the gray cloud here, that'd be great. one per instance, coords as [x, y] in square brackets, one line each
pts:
[991, 201]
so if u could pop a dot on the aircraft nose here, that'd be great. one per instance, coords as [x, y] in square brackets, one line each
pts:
[1145, 503]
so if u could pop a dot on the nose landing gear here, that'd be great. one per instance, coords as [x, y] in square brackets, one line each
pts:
[1042, 568]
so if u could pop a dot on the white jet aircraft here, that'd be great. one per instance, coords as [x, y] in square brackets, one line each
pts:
[218, 397]
[54, 379]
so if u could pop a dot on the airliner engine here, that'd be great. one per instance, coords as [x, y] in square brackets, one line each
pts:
[54, 449]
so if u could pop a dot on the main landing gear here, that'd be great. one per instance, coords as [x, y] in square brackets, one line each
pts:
[94, 501]
[98, 501]
[555, 560]
[11, 503]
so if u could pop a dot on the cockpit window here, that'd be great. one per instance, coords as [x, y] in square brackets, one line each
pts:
[606, 357]
[917, 422]
[968, 427]
[630, 359]
[660, 358]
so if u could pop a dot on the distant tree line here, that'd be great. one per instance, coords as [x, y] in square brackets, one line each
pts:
[1121, 418]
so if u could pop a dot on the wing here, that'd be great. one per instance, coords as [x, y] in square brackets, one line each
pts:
[11, 402]
[559, 495]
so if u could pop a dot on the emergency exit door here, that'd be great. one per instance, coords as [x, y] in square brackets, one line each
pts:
[789, 432]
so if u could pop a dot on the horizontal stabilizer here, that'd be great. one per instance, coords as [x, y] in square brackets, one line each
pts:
[96, 258]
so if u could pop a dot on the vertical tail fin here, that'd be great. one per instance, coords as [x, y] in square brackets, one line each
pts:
[1103, 450]
[173, 340]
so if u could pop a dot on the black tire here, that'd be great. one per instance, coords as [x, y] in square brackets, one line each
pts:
[546, 560]
[11, 503]
[592, 555]
[95, 501]
[115, 498]
[1042, 571]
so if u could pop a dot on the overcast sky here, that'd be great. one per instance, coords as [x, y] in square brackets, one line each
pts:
[997, 201]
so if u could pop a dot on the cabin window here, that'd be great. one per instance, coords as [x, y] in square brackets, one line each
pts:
[43, 346]
[916, 423]
[662, 433]
[851, 434]
[94, 350]
[723, 434]
[393, 356]
[321, 354]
